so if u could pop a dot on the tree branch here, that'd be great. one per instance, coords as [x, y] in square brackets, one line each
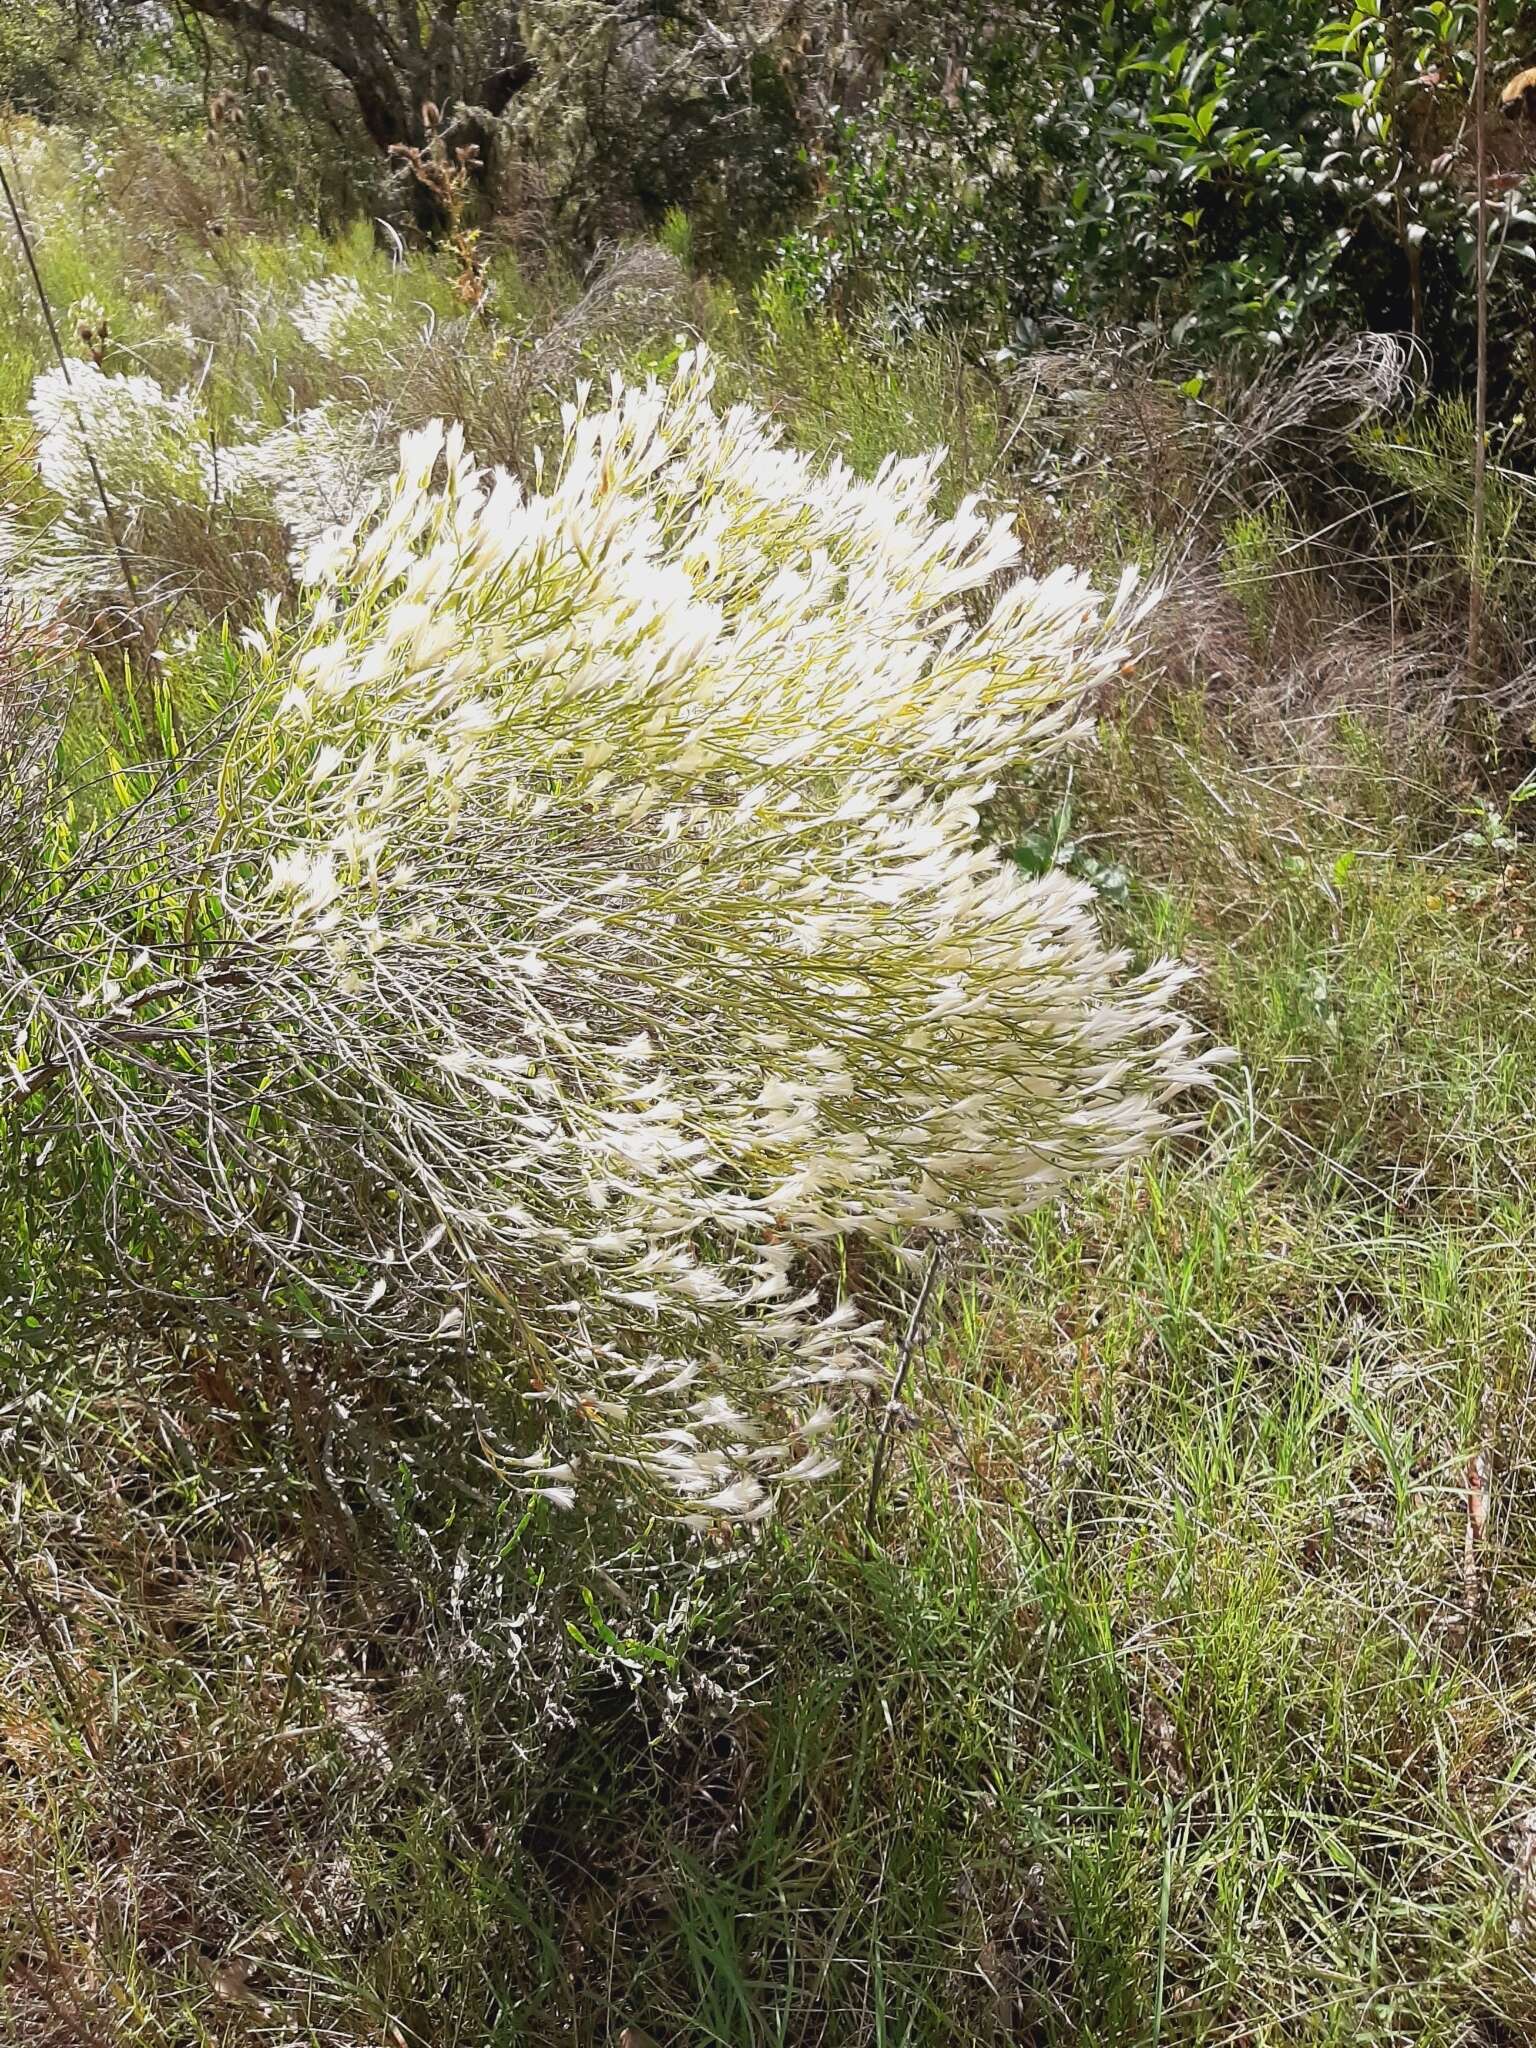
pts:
[354, 41]
[257, 17]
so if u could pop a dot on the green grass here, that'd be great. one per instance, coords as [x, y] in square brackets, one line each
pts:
[1177, 1700]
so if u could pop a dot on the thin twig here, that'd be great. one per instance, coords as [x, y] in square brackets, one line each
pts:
[58, 348]
[1480, 442]
[44, 1633]
[898, 1385]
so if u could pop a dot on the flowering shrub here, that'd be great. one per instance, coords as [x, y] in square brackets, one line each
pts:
[311, 471]
[150, 443]
[591, 917]
[165, 474]
[330, 311]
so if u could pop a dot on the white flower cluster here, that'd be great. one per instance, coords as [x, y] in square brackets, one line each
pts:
[330, 312]
[150, 450]
[157, 454]
[148, 439]
[626, 834]
[313, 471]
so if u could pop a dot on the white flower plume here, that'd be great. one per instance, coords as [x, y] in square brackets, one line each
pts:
[612, 854]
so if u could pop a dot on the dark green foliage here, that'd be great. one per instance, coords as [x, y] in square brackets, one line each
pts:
[1236, 174]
